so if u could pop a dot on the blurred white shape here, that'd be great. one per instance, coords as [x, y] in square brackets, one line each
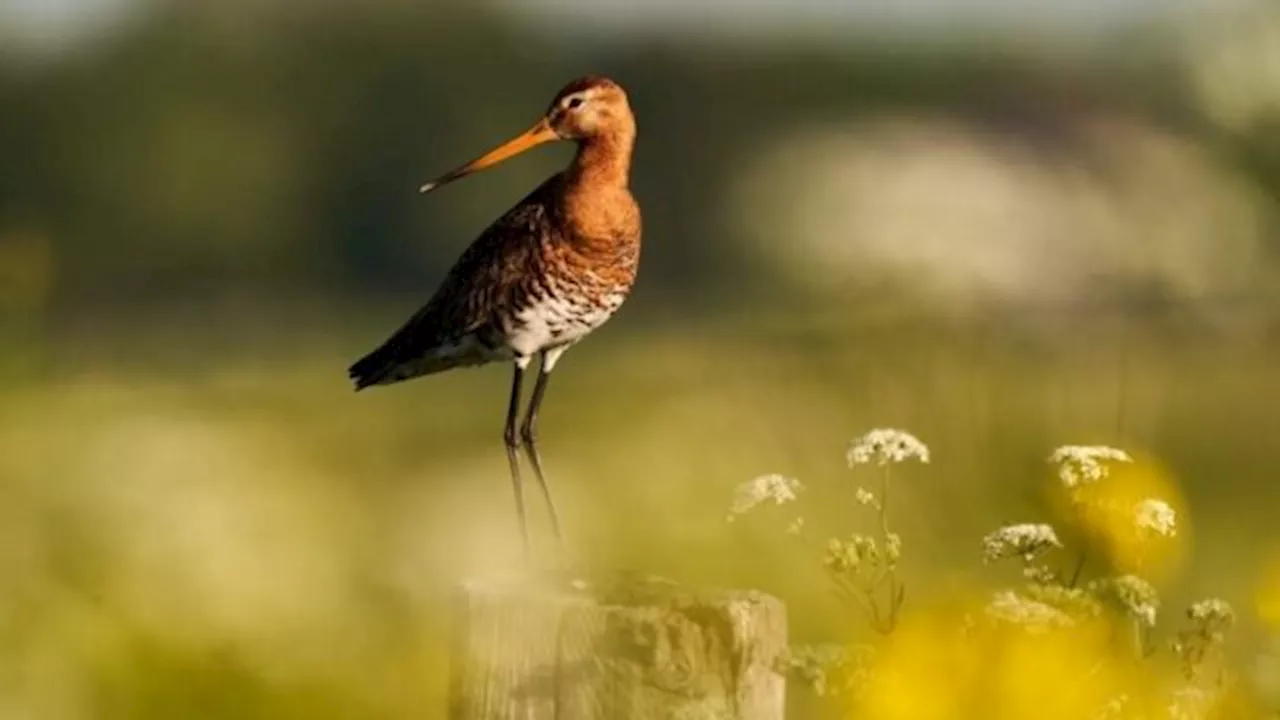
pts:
[216, 532]
[1156, 517]
[965, 217]
[1234, 64]
[39, 27]
[778, 489]
[463, 527]
[1009, 607]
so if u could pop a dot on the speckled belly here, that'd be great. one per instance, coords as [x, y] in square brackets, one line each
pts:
[558, 320]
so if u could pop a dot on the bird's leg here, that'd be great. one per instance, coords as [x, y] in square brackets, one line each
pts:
[513, 457]
[529, 434]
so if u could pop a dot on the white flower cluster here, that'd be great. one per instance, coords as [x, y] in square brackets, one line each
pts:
[1212, 610]
[1008, 606]
[1133, 594]
[1084, 464]
[778, 488]
[1156, 516]
[866, 497]
[1190, 703]
[1078, 603]
[1025, 541]
[884, 446]
[833, 670]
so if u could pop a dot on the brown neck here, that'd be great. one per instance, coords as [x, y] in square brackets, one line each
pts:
[604, 161]
[596, 201]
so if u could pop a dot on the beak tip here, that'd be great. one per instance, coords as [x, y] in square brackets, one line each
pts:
[536, 135]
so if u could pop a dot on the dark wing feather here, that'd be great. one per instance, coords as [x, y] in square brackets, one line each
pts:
[458, 326]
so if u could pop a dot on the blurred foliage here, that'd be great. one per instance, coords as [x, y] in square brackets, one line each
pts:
[205, 215]
[216, 151]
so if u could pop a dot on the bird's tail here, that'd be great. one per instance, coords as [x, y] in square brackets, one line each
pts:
[373, 369]
[401, 359]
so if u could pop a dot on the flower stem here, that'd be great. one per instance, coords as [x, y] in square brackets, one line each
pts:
[1075, 574]
[895, 591]
[884, 502]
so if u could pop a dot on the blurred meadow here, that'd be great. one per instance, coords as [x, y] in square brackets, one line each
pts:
[1004, 227]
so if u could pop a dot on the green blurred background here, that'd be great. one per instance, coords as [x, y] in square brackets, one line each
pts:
[1001, 226]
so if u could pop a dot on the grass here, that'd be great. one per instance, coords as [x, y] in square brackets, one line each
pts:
[246, 528]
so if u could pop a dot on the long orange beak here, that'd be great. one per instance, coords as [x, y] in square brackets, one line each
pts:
[534, 136]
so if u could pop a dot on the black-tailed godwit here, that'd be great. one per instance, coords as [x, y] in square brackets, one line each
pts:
[543, 276]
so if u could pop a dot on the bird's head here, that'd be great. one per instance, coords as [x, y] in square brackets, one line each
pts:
[585, 109]
[589, 107]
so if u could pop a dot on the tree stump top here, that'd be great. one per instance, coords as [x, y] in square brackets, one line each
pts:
[627, 647]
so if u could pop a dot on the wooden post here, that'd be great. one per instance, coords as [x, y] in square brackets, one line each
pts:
[635, 650]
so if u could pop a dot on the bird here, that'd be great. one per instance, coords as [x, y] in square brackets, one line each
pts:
[547, 273]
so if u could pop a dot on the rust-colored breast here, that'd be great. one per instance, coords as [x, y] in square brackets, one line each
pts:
[549, 271]
[584, 268]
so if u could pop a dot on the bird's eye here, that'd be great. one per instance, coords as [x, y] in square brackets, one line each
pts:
[575, 103]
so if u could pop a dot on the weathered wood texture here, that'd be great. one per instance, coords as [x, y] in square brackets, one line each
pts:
[640, 650]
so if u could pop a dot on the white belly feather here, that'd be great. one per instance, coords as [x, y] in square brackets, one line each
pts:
[557, 322]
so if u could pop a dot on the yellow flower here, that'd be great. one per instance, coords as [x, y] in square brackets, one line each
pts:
[937, 666]
[1133, 517]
